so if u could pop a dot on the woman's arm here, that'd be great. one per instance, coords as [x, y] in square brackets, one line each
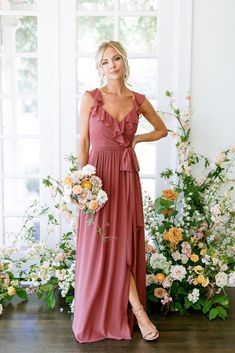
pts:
[84, 140]
[150, 114]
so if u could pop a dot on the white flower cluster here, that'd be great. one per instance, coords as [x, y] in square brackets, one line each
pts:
[160, 261]
[194, 295]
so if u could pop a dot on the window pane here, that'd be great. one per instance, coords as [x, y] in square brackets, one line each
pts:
[19, 193]
[19, 116]
[13, 225]
[92, 30]
[91, 5]
[139, 34]
[146, 154]
[142, 72]
[136, 5]
[149, 186]
[19, 75]
[21, 156]
[18, 5]
[86, 75]
[18, 33]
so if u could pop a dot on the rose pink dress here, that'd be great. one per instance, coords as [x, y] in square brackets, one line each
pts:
[114, 245]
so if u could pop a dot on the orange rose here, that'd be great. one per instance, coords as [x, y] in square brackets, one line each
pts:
[160, 277]
[93, 205]
[169, 194]
[194, 257]
[68, 180]
[175, 235]
[166, 236]
[168, 211]
[86, 184]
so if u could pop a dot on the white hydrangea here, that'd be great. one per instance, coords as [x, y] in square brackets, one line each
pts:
[221, 279]
[160, 261]
[194, 296]
[178, 272]
[88, 170]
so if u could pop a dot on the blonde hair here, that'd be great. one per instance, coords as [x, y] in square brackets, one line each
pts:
[120, 49]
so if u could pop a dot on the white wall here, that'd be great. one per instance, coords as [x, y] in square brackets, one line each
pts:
[213, 75]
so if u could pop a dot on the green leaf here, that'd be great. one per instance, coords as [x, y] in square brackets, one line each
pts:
[207, 305]
[196, 306]
[50, 299]
[213, 313]
[21, 292]
[223, 300]
[187, 303]
[222, 312]
[69, 299]
[161, 229]
[181, 290]
[46, 287]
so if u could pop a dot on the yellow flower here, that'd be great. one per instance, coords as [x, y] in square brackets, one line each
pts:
[160, 277]
[205, 282]
[200, 244]
[198, 269]
[169, 194]
[194, 257]
[68, 180]
[195, 282]
[200, 278]
[166, 236]
[175, 235]
[202, 252]
[159, 292]
[11, 291]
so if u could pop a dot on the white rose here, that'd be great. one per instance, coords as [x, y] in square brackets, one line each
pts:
[221, 279]
[88, 170]
[178, 272]
[102, 197]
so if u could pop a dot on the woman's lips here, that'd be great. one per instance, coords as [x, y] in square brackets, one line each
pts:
[115, 72]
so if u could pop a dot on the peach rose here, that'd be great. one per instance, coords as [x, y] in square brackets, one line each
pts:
[169, 194]
[11, 291]
[205, 282]
[77, 189]
[60, 257]
[166, 236]
[159, 292]
[68, 180]
[93, 204]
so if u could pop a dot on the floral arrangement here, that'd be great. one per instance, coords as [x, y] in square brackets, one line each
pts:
[85, 188]
[190, 253]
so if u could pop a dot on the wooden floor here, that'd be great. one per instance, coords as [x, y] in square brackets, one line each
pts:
[31, 327]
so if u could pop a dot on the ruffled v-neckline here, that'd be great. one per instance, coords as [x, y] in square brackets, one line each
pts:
[125, 117]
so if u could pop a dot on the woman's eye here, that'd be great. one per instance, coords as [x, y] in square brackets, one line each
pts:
[117, 58]
[104, 63]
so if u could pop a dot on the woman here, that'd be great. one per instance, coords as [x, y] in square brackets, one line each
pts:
[110, 287]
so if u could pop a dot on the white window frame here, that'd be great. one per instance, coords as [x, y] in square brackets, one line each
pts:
[57, 83]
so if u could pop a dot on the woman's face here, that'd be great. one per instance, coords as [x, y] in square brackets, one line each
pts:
[112, 64]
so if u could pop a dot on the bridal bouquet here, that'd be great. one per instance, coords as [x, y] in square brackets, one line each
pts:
[85, 189]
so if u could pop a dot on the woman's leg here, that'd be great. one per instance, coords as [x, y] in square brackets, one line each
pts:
[141, 315]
